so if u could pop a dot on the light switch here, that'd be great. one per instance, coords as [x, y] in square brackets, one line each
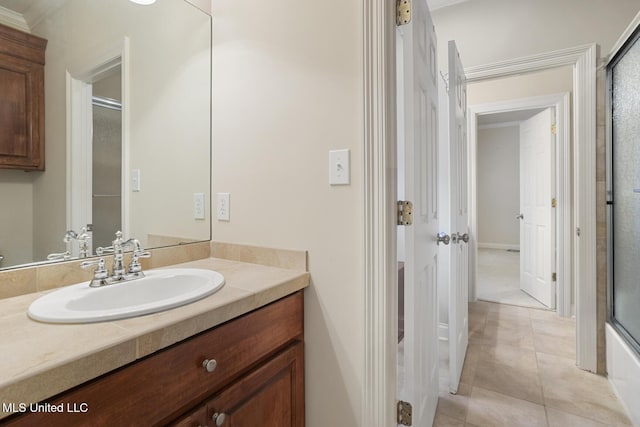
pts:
[135, 180]
[339, 172]
[223, 210]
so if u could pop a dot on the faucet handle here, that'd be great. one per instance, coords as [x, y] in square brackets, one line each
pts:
[104, 250]
[62, 255]
[100, 274]
[135, 267]
[99, 263]
[142, 254]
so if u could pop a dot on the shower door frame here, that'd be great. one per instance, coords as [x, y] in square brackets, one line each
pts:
[628, 38]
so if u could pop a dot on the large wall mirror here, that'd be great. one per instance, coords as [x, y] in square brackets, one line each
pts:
[127, 129]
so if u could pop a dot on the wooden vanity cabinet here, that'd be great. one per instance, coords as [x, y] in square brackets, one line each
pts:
[258, 375]
[21, 100]
[270, 396]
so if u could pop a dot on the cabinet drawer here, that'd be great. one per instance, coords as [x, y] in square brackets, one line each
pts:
[160, 387]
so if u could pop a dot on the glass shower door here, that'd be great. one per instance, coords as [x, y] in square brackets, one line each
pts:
[624, 200]
[107, 170]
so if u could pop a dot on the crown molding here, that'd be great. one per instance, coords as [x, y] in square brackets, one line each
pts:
[13, 19]
[28, 20]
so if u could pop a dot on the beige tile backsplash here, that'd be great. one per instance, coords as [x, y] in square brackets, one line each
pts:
[281, 258]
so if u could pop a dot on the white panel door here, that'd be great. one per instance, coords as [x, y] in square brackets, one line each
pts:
[459, 276]
[537, 221]
[418, 85]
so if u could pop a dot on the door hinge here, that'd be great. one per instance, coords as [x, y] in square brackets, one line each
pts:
[404, 413]
[554, 277]
[554, 129]
[403, 12]
[405, 213]
[554, 203]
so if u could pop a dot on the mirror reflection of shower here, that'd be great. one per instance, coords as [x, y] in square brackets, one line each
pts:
[106, 203]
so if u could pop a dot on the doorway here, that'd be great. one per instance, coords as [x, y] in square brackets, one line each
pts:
[98, 181]
[501, 188]
[559, 247]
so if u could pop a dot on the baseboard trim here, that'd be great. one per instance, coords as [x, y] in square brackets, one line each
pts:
[504, 246]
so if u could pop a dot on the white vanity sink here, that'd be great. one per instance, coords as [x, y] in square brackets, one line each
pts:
[159, 290]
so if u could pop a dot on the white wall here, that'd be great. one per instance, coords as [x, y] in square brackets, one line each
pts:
[287, 88]
[492, 30]
[548, 82]
[498, 183]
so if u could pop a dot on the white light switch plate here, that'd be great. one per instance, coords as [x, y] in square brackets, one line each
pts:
[339, 172]
[223, 210]
[135, 180]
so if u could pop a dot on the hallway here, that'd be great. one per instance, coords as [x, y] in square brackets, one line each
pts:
[520, 371]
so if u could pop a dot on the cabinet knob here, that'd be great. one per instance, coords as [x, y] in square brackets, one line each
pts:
[219, 418]
[209, 365]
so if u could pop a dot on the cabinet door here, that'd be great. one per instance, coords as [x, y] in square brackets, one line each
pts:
[21, 114]
[270, 396]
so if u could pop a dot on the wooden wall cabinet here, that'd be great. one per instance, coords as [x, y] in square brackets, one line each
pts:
[21, 100]
[258, 380]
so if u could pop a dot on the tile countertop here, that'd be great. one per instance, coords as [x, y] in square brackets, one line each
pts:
[40, 360]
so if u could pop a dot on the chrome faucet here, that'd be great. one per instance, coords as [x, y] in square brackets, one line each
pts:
[82, 238]
[102, 277]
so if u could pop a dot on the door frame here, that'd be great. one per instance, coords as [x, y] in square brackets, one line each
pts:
[379, 200]
[583, 60]
[379, 195]
[81, 72]
[562, 104]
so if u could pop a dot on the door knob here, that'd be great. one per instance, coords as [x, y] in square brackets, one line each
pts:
[443, 238]
[464, 237]
[519, 216]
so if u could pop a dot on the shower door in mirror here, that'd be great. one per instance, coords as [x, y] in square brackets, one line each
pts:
[624, 192]
[106, 197]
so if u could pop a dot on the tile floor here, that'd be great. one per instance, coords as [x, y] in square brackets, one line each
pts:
[520, 371]
[499, 278]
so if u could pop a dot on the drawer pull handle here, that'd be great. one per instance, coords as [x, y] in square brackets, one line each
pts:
[209, 365]
[219, 418]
